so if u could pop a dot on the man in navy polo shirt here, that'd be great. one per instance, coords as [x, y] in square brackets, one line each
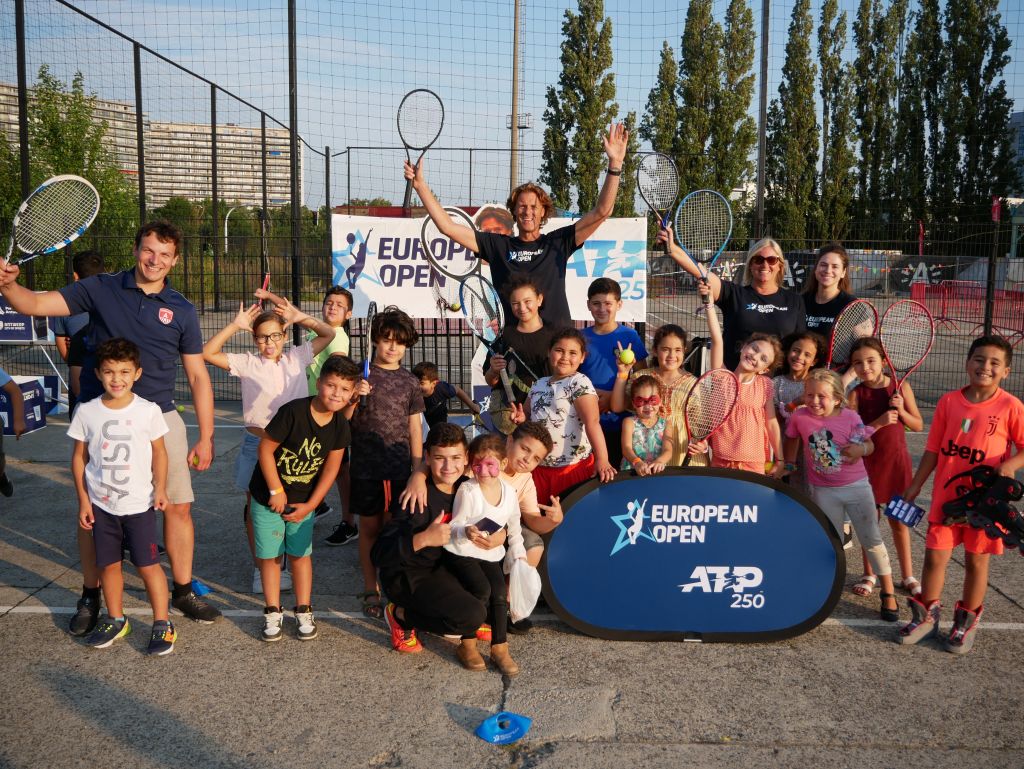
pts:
[140, 305]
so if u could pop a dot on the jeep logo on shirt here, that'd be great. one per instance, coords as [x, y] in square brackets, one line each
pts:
[973, 456]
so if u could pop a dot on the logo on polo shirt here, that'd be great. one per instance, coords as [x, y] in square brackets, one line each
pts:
[166, 315]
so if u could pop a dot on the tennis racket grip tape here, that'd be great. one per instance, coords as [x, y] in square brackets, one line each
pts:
[366, 376]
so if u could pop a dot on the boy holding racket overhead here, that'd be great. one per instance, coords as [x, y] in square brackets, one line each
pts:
[543, 256]
[139, 304]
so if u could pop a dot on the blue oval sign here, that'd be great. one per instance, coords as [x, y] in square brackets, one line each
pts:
[698, 554]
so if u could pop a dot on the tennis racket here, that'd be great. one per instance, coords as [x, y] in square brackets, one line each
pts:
[485, 317]
[420, 120]
[658, 182]
[58, 212]
[708, 404]
[371, 312]
[703, 226]
[438, 248]
[858, 319]
[907, 332]
[446, 293]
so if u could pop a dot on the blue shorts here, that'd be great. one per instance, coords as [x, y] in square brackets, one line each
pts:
[274, 536]
[112, 533]
[246, 461]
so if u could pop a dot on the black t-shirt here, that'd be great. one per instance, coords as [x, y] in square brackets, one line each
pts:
[304, 448]
[393, 553]
[529, 353]
[821, 317]
[435, 405]
[746, 312]
[544, 259]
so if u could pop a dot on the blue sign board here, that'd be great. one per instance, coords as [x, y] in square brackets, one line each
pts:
[696, 554]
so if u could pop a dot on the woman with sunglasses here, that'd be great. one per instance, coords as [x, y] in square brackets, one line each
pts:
[827, 290]
[759, 306]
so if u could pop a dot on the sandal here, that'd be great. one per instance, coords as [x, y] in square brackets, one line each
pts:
[865, 586]
[911, 585]
[889, 615]
[372, 606]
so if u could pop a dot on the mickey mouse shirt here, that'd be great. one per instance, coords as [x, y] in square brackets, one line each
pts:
[824, 439]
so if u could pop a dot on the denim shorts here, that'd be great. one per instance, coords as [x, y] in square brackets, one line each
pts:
[246, 461]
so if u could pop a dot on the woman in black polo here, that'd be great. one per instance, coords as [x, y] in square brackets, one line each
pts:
[759, 305]
[827, 290]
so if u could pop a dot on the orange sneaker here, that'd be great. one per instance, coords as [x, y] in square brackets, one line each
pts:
[483, 633]
[402, 640]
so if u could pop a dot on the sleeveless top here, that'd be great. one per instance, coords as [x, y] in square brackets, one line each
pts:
[647, 441]
[744, 436]
[889, 468]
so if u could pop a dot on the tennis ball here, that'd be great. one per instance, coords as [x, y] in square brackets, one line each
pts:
[456, 306]
[626, 356]
[181, 409]
[769, 466]
[195, 460]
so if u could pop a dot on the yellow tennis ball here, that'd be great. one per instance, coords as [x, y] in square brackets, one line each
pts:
[181, 409]
[769, 466]
[456, 306]
[195, 460]
[626, 356]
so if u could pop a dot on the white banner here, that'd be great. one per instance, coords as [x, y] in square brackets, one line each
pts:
[380, 259]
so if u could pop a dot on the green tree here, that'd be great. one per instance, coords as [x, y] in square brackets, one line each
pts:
[698, 90]
[837, 157]
[581, 109]
[733, 130]
[794, 135]
[660, 122]
[66, 138]
[911, 146]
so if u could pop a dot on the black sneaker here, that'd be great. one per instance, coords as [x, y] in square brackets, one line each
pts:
[195, 608]
[522, 627]
[108, 631]
[85, 618]
[6, 487]
[162, 640]
[342, 535]
[322, 509]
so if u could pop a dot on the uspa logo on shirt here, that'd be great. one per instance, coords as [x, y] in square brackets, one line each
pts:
[166, 315]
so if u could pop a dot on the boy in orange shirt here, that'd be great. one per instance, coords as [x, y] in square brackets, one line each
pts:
[972, 426]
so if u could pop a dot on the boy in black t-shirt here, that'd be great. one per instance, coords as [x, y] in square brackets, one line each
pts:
[387, 439]
[298, 462]
[423, 593]
[437, 393]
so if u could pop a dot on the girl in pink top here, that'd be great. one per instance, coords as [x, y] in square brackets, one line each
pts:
[752, 430]
[269, 377]
[835, 444]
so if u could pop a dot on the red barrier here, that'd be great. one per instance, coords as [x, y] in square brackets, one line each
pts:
[952, 302]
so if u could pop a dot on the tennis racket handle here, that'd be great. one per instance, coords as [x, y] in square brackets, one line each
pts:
[366, 376]
[407, 203]
[503, 375]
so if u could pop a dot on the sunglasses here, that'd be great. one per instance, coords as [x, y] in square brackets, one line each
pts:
[639, 403]
[771, 261]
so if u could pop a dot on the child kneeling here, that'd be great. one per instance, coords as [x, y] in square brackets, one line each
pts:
[298, 461]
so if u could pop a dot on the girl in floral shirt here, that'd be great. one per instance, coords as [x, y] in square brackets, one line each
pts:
[566, 403]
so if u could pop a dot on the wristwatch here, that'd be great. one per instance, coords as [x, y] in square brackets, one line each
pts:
[614, 172]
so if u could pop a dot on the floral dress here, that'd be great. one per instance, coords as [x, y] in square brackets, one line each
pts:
[673, 399]
[648, 442]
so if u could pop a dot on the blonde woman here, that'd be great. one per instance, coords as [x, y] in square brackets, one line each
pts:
[759, 305]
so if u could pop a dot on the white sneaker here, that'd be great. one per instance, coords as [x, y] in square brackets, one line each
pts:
[257, 582]
[273, 618]
[307, 625]
[286, 580]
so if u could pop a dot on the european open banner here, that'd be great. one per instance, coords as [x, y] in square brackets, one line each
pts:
[693, 554]
[381, 259]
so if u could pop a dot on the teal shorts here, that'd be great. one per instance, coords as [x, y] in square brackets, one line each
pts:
[275, 537]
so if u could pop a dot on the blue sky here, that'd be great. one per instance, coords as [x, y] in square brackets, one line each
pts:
[356, 60]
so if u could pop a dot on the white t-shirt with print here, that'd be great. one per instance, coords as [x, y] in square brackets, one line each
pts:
[119, 473]
[552, 403]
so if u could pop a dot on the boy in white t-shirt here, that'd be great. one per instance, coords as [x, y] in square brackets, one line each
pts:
[119, 465]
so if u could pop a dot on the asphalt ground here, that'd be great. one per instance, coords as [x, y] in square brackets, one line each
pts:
[843, 695]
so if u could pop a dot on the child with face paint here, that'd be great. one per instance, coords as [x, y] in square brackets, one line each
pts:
[483, 507]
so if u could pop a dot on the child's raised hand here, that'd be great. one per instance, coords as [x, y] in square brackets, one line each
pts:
[269, 296]
[625, 359]
[288, 312]
[665, 235]
[245, 317]
[362, 388]
[516, 414]
[553, 512]
[497, 363]
[704, 289]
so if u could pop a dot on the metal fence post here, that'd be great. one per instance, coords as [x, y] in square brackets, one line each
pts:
[216, 199]
[140, 145]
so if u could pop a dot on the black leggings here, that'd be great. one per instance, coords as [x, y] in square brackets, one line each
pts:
[437, 603]
[486, 581]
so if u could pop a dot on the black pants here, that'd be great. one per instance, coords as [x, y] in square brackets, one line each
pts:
[486, 581]
[436, 602]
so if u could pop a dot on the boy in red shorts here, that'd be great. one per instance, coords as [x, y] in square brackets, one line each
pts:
[972, 426]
